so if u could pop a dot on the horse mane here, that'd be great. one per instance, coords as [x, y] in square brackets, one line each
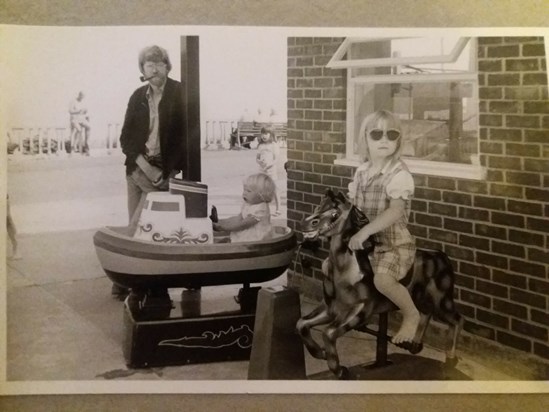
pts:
[358, 218]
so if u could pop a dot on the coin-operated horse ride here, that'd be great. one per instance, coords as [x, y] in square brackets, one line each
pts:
[174, 247]
[349, 304]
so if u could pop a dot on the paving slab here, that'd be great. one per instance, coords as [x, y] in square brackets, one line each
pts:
[47, 340]
[57, 256]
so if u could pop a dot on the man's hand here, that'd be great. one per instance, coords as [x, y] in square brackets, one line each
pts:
[162, 184]
[153, 173]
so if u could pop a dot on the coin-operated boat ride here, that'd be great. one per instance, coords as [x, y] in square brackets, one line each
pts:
[174, 247]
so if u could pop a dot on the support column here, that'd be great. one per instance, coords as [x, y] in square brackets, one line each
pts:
[190, 79]
[277, 349]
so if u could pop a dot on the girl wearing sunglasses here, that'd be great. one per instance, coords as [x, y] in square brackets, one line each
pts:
[383, 188]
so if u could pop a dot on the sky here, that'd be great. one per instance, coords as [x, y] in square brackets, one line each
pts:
[242, 69]
[43, 68]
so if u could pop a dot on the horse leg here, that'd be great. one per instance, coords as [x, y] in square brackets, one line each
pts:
[452, 336]
[335, 330]
[319, 316]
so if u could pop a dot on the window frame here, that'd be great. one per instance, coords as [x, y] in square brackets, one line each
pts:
[428, 167]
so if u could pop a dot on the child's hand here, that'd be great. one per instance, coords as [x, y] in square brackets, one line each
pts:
[357, 241]
[213, 215]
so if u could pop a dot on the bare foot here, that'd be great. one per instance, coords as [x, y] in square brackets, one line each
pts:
[277, 213]
[408, 329]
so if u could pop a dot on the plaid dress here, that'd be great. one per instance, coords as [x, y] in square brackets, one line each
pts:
[395, 250]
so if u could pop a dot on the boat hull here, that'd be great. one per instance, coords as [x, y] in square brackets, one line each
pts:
[135, 263]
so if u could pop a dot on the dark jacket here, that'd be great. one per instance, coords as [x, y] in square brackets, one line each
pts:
[135, 130]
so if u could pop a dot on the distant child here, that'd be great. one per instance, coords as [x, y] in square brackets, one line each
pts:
[383, 188]
[12, 232]
[267, 154]
[254, 221]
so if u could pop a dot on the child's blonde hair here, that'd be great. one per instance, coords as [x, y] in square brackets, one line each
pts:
[263, 185]
[369, 123]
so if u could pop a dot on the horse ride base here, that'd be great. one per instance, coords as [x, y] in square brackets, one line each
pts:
[395, 366]
[162, 332]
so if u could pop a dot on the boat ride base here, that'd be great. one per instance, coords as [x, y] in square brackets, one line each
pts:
[159, 331]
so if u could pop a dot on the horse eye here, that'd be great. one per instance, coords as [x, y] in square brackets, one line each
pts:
[335, 214]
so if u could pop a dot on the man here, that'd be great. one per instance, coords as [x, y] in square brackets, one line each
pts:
[80, 124]
[152, 136]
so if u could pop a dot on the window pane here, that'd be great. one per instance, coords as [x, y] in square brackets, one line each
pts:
[439, 119]
[437, 50]
[165, 206]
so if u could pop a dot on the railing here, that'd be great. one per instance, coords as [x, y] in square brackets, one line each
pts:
[52, 140]
[216, 134]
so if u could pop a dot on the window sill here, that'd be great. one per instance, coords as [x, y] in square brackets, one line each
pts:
[423, 167]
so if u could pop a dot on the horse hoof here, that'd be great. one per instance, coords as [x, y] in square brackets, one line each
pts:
[416, 347]
[412, 347]
[344, 375]
[451, 362]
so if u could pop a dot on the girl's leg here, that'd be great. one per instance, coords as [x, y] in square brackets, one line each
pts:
[400, 296]
[12, 233]
[277, 204]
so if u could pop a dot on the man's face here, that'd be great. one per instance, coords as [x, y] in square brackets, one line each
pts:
[157, 69]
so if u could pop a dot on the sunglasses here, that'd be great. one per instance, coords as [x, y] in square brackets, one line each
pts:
[392, 134]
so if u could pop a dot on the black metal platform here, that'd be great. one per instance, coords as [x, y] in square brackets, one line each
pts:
[400, 367]
[160, 332]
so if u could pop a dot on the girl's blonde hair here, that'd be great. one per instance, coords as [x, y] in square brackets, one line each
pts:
[369, 123]
[263, 184]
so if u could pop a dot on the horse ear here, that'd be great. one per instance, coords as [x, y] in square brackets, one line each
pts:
[341, 197]
[330, 194]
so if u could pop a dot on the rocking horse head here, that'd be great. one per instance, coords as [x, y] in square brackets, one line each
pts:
[335, 215]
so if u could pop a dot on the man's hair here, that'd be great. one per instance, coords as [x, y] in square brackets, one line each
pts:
[154, 54]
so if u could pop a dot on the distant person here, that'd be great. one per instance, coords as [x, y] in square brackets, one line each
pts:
[80, 125]
[266, 158]
[253, 223]
[152, 137]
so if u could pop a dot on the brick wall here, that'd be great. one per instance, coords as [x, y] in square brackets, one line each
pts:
[495, 231]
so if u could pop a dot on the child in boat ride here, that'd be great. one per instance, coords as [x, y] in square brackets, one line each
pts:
[267, 154]
[382, 188]
[254, 221]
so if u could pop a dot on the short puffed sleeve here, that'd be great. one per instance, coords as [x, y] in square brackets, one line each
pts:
[401, 186]
[258, 211]
[353, 186]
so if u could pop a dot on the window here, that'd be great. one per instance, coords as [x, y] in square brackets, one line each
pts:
[165, 206]
[431, 84]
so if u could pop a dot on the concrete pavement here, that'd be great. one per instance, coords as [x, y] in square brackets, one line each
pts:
[63, 323]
